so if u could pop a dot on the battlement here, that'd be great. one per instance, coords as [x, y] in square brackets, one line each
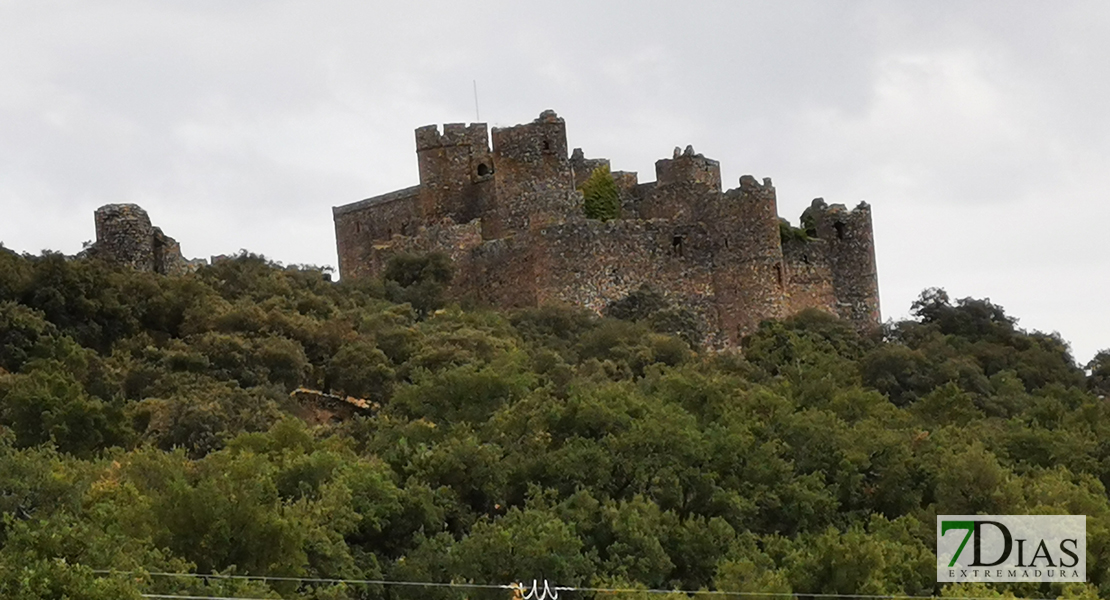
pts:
[688, 167]
[510, 215]
[544, 139]
[454, 134]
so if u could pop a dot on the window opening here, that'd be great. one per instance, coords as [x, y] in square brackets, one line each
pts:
[839, 230]
[676, 245]
[483, 170]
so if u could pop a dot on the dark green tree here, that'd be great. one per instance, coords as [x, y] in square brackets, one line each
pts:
[602, 196]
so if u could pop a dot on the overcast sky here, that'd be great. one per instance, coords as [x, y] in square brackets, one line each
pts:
[978, 132]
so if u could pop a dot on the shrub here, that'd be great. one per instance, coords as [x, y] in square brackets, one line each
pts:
[602, 197]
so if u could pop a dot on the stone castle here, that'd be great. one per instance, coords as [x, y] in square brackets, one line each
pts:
[511, 217]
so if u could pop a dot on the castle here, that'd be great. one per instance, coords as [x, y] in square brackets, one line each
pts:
[511, 217]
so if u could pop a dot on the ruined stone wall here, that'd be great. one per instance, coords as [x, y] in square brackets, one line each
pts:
[505, 272]
[124, 236]
[584, 167]
[685, 187]
[592, 264]
[688, 165]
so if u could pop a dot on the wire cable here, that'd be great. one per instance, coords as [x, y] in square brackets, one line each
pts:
[184, 597]
[513, 586]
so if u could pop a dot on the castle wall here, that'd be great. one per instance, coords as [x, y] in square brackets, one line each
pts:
[504, 272]
[685, 187]
[374, 221]
[808, 276]
[583, 167]
[592, 264]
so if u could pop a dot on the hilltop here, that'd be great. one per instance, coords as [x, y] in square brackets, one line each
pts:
[147, 424]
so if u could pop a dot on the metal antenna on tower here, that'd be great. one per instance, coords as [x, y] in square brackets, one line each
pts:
[477, 115]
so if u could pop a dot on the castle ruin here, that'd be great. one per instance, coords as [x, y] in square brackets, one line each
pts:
[511, 218]
[124, 236]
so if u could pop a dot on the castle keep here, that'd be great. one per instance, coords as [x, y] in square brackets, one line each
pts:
[511, 218]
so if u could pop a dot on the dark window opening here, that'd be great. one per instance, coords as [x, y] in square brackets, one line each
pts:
[546, 146]
[778, 273]
[805, 259]
[726, 243]
[358, 227]
[676, 245]
[839, 230]
[389, 232]
[483, 170]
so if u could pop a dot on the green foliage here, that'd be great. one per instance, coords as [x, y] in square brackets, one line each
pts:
[788, 233]
[647, 306]
[420, 280]
[602, 196]
[146, 423]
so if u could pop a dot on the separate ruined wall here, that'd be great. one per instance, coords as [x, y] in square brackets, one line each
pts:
[361, 226]
[124, 236]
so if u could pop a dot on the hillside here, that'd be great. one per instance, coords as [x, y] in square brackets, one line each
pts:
[146, 426]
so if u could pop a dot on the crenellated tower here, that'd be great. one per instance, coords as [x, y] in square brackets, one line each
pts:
[534, 185]
[456, 171]
[851, 257]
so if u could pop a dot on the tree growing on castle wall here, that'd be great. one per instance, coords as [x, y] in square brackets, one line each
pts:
[602, 197]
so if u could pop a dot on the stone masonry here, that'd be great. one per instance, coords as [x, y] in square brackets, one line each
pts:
[124, 236]
[511, 218]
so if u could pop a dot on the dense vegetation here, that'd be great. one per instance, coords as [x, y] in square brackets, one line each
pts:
[145, 427]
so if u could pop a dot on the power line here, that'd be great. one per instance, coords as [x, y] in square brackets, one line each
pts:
[183, 597]
[514, 586]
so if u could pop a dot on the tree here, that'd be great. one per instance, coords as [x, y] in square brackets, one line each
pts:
[419, 279]
[602, 196]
